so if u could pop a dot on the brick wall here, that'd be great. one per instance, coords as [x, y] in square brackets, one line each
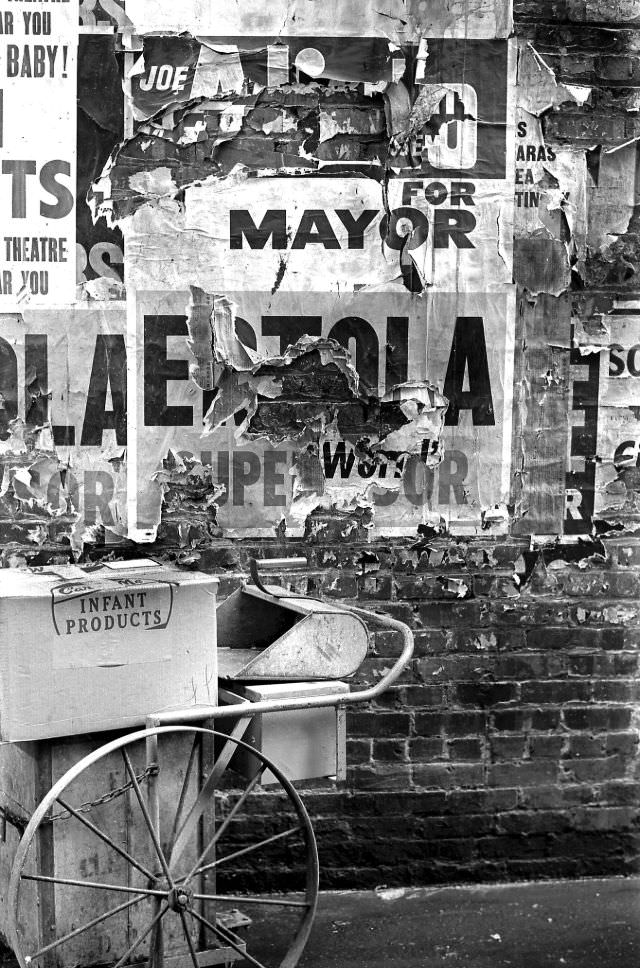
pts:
[509, 748]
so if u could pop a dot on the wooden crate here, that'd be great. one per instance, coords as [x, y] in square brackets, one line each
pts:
[68, 849]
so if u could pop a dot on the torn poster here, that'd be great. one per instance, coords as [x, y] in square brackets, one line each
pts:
[38, 57]
[617, 469]
[422, 430]
[103, 16]
[603, 481]
[63, 416]
[542, 377]
[319, 211]
[613, 200]
[327, 234]
[585, 372]
[331, 186]
[229, 107]
[99, 253]
[550, 190]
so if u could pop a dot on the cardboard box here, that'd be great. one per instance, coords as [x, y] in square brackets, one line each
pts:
[97, 649]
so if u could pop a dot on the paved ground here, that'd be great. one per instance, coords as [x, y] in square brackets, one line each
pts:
[574, 924]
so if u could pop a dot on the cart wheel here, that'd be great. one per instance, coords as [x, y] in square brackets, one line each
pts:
[164, 861]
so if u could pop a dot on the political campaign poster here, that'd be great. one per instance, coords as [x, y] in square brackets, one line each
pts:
[260, 196]
[452, 341]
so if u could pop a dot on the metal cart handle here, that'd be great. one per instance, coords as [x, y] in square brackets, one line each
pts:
[195, 713]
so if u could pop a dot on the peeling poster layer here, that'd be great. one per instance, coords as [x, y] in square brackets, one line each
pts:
[63, 418]
[615, 354]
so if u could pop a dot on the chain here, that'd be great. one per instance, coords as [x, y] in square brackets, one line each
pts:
[19, 820]
[86, 807]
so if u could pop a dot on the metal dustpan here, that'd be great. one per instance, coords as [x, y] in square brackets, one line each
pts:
[267, 633]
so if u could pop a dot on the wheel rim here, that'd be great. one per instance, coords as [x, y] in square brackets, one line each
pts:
[164, 880]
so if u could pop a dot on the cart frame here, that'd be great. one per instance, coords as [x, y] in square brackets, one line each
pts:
[181, 720]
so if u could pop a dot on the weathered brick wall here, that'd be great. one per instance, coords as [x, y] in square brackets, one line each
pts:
[509, 747]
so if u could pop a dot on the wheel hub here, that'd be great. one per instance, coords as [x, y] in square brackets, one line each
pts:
[180, 899]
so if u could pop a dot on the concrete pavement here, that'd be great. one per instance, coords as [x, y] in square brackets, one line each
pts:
[573, 924]
[591, 923]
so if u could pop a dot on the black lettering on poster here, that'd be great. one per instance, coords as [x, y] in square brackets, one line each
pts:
[469, 358]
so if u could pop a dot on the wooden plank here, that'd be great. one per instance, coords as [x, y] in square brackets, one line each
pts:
[18, 794]
[79, 853]
[45, 849]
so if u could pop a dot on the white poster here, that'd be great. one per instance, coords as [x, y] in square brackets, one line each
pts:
[459, 344]
[38, 79]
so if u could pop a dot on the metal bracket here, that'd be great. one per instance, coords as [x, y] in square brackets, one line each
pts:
[273, 564]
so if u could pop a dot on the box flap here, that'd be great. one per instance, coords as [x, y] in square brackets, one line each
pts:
[33, 582]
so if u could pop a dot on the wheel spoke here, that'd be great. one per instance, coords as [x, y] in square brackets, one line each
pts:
[223, 826]
[141, 937]
[248, 850]
[156, 942]
[145, 814]
[189, 939]
[183, 791]
[207, 790]
[241, 899]
[223, 934]
[86, 927]
[99, 833]
[96, 885]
